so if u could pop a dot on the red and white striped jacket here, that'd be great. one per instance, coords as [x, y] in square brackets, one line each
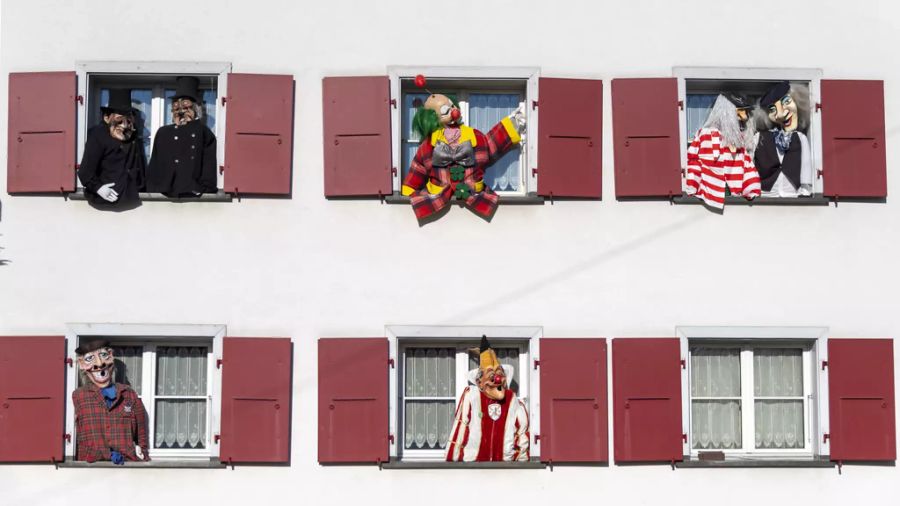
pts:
[711, 167]
[476, 436]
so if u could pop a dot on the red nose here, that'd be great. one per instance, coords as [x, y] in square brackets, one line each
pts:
[454, 114]
[497, 379]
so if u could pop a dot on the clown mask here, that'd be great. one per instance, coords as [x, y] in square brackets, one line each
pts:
[121, 126]
[784, 113]
[448, 114]
[492, 382]
[183, 111]
[98, 366]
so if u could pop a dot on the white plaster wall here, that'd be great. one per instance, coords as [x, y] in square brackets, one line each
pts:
[308, 267]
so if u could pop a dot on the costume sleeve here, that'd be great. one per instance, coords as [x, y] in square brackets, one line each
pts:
[208, 171]
[89, 170]
[140, 415]
[460, 429]
[523, 435]
[89, 449]
[806, 170]
[500, 139]
[703, 149]
[419, 169]
[750, 186]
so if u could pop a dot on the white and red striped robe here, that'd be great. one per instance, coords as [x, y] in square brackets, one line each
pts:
[711, 167]
[477, 437]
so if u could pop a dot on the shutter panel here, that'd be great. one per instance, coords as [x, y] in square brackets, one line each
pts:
[861, 399]
[854, 163]
[574, 423]
[570, 138]
[259, 112]
[256, 399]
[645, 134]
[357, 143]
[353, 400]
[32, 398]
[647, 400]
[41, 147]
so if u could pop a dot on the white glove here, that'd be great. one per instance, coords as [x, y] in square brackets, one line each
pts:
[518, 118]
[107, 193]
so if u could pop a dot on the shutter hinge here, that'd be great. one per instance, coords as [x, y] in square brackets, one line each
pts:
[537, 437]
[68, 438]
[683, 364]
[818, 106]
[391, 438]
[824, 364]
[216, 439]
[69, 361]
[394, 103]
[221, 169]
[218, 363]
[818, 173]
[825, 438]
[77, 166]
[224, 99]
[536, 363]
[54, 462]
[393, 171]
[684, 438]
[681, 105]
[534, 172]
[534, 104]
[391, 363]
[237, 193]
[231, 463]
[80, 99]
[381, 196]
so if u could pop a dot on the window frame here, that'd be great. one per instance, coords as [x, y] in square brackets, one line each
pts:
[529, 75]
[84, 70]
[152, 335]
[814, 342]
[811, 75]
[401, 337]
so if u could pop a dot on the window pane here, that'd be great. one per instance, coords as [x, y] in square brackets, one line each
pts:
[779, 424]
[427, 424]
[406, 132]
[715, 372]
[209, 107]
[507, 356]
[778, 372]
[485, 111]
[430, 372]
[180, 424]
[696, 112]
[715, 424]
[181, 370]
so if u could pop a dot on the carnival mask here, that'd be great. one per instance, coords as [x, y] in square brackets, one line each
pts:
[121, 126]
[98, 366]
[448, 114]
[493, 383]
[784, 113]
[183, 111]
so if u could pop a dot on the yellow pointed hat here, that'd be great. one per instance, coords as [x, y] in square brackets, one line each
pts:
[487, 357]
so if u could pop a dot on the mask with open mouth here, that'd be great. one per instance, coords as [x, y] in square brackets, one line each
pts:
[121, 126]
[492, 378]
[97, 365]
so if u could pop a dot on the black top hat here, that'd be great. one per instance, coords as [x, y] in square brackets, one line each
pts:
[187, 87]
[775, 93]
[92, 345]
[119, 102]
[739, 101]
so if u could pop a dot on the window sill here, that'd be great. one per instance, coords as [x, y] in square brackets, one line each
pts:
[422, 464]
[153, 464]
[529, 199]
[815, 200]
[757, 462]
[219, 196]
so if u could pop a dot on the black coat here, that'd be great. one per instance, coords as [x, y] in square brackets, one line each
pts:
[766, 160]
[183, 160]
[108, 160]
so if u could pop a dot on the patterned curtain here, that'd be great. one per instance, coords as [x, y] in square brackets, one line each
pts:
[485, 111]
[715, 398]
[431, 382]
[181, 397]
[778, 376]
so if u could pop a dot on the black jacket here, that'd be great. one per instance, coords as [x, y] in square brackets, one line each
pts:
[108, 160]
[183, 160]
[766, 160]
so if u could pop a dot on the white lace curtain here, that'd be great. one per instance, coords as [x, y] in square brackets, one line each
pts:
[431, 381]
[485, 111]
[716, 415]
[778, 375]
[180, 397]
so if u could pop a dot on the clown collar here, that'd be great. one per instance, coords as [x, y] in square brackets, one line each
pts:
[466, 133]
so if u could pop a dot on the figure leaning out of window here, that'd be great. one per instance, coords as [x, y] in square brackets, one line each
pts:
[783, 154]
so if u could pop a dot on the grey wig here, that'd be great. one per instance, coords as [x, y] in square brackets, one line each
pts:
[723, 117]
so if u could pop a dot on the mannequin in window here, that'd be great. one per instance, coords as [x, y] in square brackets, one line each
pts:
[110, 420]
[783, 154]
[450, 163]
[719, 157]
[183, 161]
[112, 167]
[491, 423]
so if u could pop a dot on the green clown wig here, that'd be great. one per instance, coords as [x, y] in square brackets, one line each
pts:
[426, 121]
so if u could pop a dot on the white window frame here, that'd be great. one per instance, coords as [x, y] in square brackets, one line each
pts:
[813, 76]
[401, 336]
[151, 336]
[87, 69]
[814, 342]
[528, 74]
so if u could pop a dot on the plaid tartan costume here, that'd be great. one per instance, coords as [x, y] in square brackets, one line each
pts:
[100, 429]
[431, 188]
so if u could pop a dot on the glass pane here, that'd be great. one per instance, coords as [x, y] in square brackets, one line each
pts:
[141, 100]
[209, 107]
[696, 112]
[129, 366]
[485, 111]
[406, 132]
[507, 356]
[181, 370]
[779, 424]
[778, 372]
[430, 372]
[427, 424]
[715, 372]
[180, 423]
[715, 424]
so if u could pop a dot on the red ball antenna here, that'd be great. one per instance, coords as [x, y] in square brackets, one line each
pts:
[420, 83]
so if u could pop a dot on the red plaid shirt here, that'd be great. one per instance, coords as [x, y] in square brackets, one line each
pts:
[100, 429]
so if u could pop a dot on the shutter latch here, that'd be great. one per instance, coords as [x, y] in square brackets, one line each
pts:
[818, 106]
[824, 365]
[825, 438]
[536, 364]
[218, 366]
[681, 105]
[391, 364]
[534, 104]
[67, 438]
[216, 439]
[80, 99]
[683, 364]
[391, 438]
[69, 361]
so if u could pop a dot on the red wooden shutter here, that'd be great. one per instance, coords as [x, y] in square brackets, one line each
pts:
[357, 125]
[647, 400]
[861, 399]
[256, 399]
[32, 398]
[853, 153]
[41, 147]
[353, 400]
[645, 135]
[574, 423]
[259, 111]
[570, 138]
